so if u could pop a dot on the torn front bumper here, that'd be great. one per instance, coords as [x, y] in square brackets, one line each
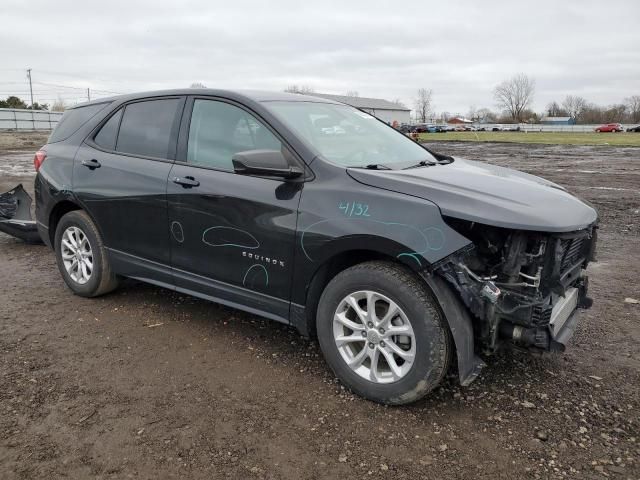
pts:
[15, 215]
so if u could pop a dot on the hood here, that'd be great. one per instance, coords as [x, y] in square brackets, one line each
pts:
[487, 194]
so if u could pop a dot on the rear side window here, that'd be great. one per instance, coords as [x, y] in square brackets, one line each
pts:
[219, 130]
[72, 120]
[146, 128]
[106, 137]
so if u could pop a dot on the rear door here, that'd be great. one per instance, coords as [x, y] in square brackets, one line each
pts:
[232, 235]
[120, 177]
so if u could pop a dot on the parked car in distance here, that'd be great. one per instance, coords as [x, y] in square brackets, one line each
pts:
[420, 128]
[400, 260]
[505, 128]
[609, 127]
[634, 129]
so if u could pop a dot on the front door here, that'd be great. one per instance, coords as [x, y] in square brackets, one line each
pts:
[232, 236]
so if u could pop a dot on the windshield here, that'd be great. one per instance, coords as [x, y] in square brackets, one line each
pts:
[349, 137]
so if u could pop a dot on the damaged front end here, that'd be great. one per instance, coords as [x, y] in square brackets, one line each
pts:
[15, 215]
[522, 287]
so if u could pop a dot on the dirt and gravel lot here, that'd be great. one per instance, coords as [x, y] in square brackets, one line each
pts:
[146, 383]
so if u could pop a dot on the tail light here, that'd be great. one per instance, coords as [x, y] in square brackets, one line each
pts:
[39, 159]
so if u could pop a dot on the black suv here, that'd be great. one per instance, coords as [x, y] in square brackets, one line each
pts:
[318, 215]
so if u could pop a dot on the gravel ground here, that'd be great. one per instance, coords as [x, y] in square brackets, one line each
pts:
[146, 383]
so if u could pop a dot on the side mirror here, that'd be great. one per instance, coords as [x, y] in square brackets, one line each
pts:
[267, 163]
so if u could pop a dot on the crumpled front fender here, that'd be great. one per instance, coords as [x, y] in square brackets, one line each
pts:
[459, 320]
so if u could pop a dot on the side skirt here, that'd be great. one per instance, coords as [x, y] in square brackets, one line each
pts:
[198, 286]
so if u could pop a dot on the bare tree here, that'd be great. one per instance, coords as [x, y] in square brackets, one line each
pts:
[485, 115]
[515, 95]
[352, 94]
[472, 113]
[592, 114]
[197, 85]
[399, 102]
[59, 105]
[633, 106]
[302, 89]
[555, 110]
[423, 104]
[574, 106]
[614, 113]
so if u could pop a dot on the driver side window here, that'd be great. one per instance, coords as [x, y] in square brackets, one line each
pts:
[219, 130]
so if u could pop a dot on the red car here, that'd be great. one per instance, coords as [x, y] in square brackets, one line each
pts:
[610, 127]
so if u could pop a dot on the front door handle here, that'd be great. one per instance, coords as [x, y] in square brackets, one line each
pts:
[186, 182]
[91, 164]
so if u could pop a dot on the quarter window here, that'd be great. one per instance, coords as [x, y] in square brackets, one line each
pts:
[146, 128]
[106, 137]
[219, 130]
[73, 119]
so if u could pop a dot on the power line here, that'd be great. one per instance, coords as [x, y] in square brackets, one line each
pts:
[59, 86]
[40, 94]
[52, 92]
[108, 91]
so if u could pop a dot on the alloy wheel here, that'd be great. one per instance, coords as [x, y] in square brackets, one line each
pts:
[77, 255]
[374, 336]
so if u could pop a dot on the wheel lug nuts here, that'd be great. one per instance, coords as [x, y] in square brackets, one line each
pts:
[370, 324]
[364, 334]
[381, 331]
[382, 344]
[371, 345]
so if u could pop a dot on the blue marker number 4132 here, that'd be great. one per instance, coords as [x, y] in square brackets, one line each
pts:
[354, 209]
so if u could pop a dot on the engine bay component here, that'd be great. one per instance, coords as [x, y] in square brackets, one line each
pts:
[522, 287]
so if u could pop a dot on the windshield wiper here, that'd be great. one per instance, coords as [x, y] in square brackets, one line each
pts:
[422, 163]
[373, 166]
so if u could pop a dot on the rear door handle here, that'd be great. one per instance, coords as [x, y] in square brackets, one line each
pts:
[186, 182]
[91, 164]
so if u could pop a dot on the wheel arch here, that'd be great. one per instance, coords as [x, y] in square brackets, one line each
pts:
[456, 315]
[57, 212]
[305, 320]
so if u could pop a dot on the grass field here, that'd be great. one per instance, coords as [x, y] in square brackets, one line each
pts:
[549, 138]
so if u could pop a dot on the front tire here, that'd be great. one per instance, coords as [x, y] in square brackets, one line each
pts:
[382, 333]
[81, 256]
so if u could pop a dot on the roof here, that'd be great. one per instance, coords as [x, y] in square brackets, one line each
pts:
[363, 102]
[255, 95]
[460, 120]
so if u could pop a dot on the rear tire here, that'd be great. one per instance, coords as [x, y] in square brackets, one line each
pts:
[81, 256]
[405, 347]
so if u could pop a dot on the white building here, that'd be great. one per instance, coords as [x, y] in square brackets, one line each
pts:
[383, 109]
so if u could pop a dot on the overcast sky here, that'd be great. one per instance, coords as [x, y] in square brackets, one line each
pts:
[459, 49]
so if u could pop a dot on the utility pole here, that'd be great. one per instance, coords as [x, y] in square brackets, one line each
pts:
[30, 87]
[88, 95]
